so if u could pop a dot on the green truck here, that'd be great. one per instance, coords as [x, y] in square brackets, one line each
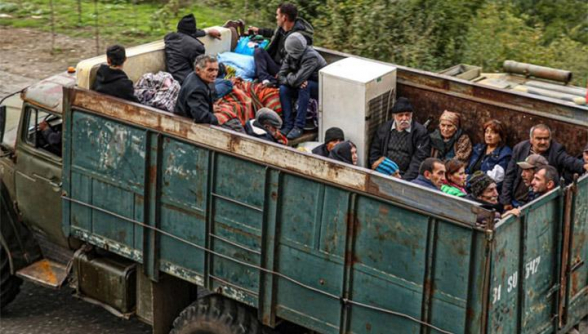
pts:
[197, 229]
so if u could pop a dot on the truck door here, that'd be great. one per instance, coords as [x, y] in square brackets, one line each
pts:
[38, 172]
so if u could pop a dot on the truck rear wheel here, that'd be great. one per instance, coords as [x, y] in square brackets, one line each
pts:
[215, 314]
[9, 284]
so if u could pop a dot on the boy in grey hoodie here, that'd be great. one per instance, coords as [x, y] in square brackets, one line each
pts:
[298, 78]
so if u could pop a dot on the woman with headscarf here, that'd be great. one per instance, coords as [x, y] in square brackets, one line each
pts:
[344, 152]
[455, 178]
[492, 156]
[449, 141]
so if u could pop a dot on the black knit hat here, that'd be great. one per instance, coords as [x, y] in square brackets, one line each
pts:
[479, 182]
[334, 134]
[187, 25]
[402, 105]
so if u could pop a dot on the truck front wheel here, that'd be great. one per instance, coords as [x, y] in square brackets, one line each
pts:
[9, 284]
[215, 314]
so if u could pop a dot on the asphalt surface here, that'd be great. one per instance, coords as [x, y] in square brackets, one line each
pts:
[41, 310]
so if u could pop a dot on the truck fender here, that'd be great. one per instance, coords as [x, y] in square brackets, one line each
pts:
[18, 240]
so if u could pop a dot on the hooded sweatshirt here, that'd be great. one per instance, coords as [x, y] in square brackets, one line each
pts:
[342, 152]
[302, 62]
[114, 82]
[182, 48]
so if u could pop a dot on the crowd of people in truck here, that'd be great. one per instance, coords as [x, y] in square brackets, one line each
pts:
[446, 160]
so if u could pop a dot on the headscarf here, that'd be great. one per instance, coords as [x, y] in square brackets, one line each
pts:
[451, 117]
[342, 152]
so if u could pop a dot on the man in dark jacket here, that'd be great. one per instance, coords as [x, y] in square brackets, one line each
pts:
[298, 78]
[431, 174]
[333, 136]
[402, 140]
[540, 142]
[182, 47]
[268, 62]
[266, 126]
[195, 97]
[111, 79]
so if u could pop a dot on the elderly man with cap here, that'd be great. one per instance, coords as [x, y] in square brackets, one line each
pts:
[298, 78]
[449, 141]
[266, 126]
[540, 142]
[333, 136]
[401, 140]
[182, 47]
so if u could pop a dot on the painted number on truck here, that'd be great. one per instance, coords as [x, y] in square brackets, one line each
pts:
[531, 269]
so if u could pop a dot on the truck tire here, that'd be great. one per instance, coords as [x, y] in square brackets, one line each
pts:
[215, 314]
[9, 284]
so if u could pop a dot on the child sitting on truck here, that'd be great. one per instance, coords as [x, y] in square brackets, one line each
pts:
[111, 79]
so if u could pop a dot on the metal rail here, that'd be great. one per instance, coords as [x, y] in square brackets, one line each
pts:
[342, 299]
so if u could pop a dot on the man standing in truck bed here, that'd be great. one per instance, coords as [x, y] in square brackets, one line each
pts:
[268, 62]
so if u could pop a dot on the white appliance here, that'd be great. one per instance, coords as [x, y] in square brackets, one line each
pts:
[356, 95]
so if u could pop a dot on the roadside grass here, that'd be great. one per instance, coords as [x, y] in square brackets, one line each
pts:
[118, 21]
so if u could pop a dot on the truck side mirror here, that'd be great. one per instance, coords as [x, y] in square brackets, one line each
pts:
[2, 122]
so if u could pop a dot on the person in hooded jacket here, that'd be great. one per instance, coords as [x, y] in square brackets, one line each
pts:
[266, 126]
[268, 62]
[298, 78]
[182, 47]
[111, 79]
[345, 152]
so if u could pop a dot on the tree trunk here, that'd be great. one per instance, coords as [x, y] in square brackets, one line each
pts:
[97, 30]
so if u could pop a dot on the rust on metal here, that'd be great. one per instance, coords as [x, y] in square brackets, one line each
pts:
[567, 221]
[45, 272]
[259, 151]
[430, 104]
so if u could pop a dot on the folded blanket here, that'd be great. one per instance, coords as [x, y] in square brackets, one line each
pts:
[245, 99]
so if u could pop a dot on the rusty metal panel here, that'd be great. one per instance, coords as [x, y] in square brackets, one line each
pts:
[524, 279]
[107, 162]
[430, 103]
[184, 174]
[576, 292]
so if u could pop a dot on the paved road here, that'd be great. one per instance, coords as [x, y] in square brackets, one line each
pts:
[45, 311]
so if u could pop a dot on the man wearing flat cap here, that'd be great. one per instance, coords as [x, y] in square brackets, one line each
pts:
[266, 126]
[523, 190]
[402, 140]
